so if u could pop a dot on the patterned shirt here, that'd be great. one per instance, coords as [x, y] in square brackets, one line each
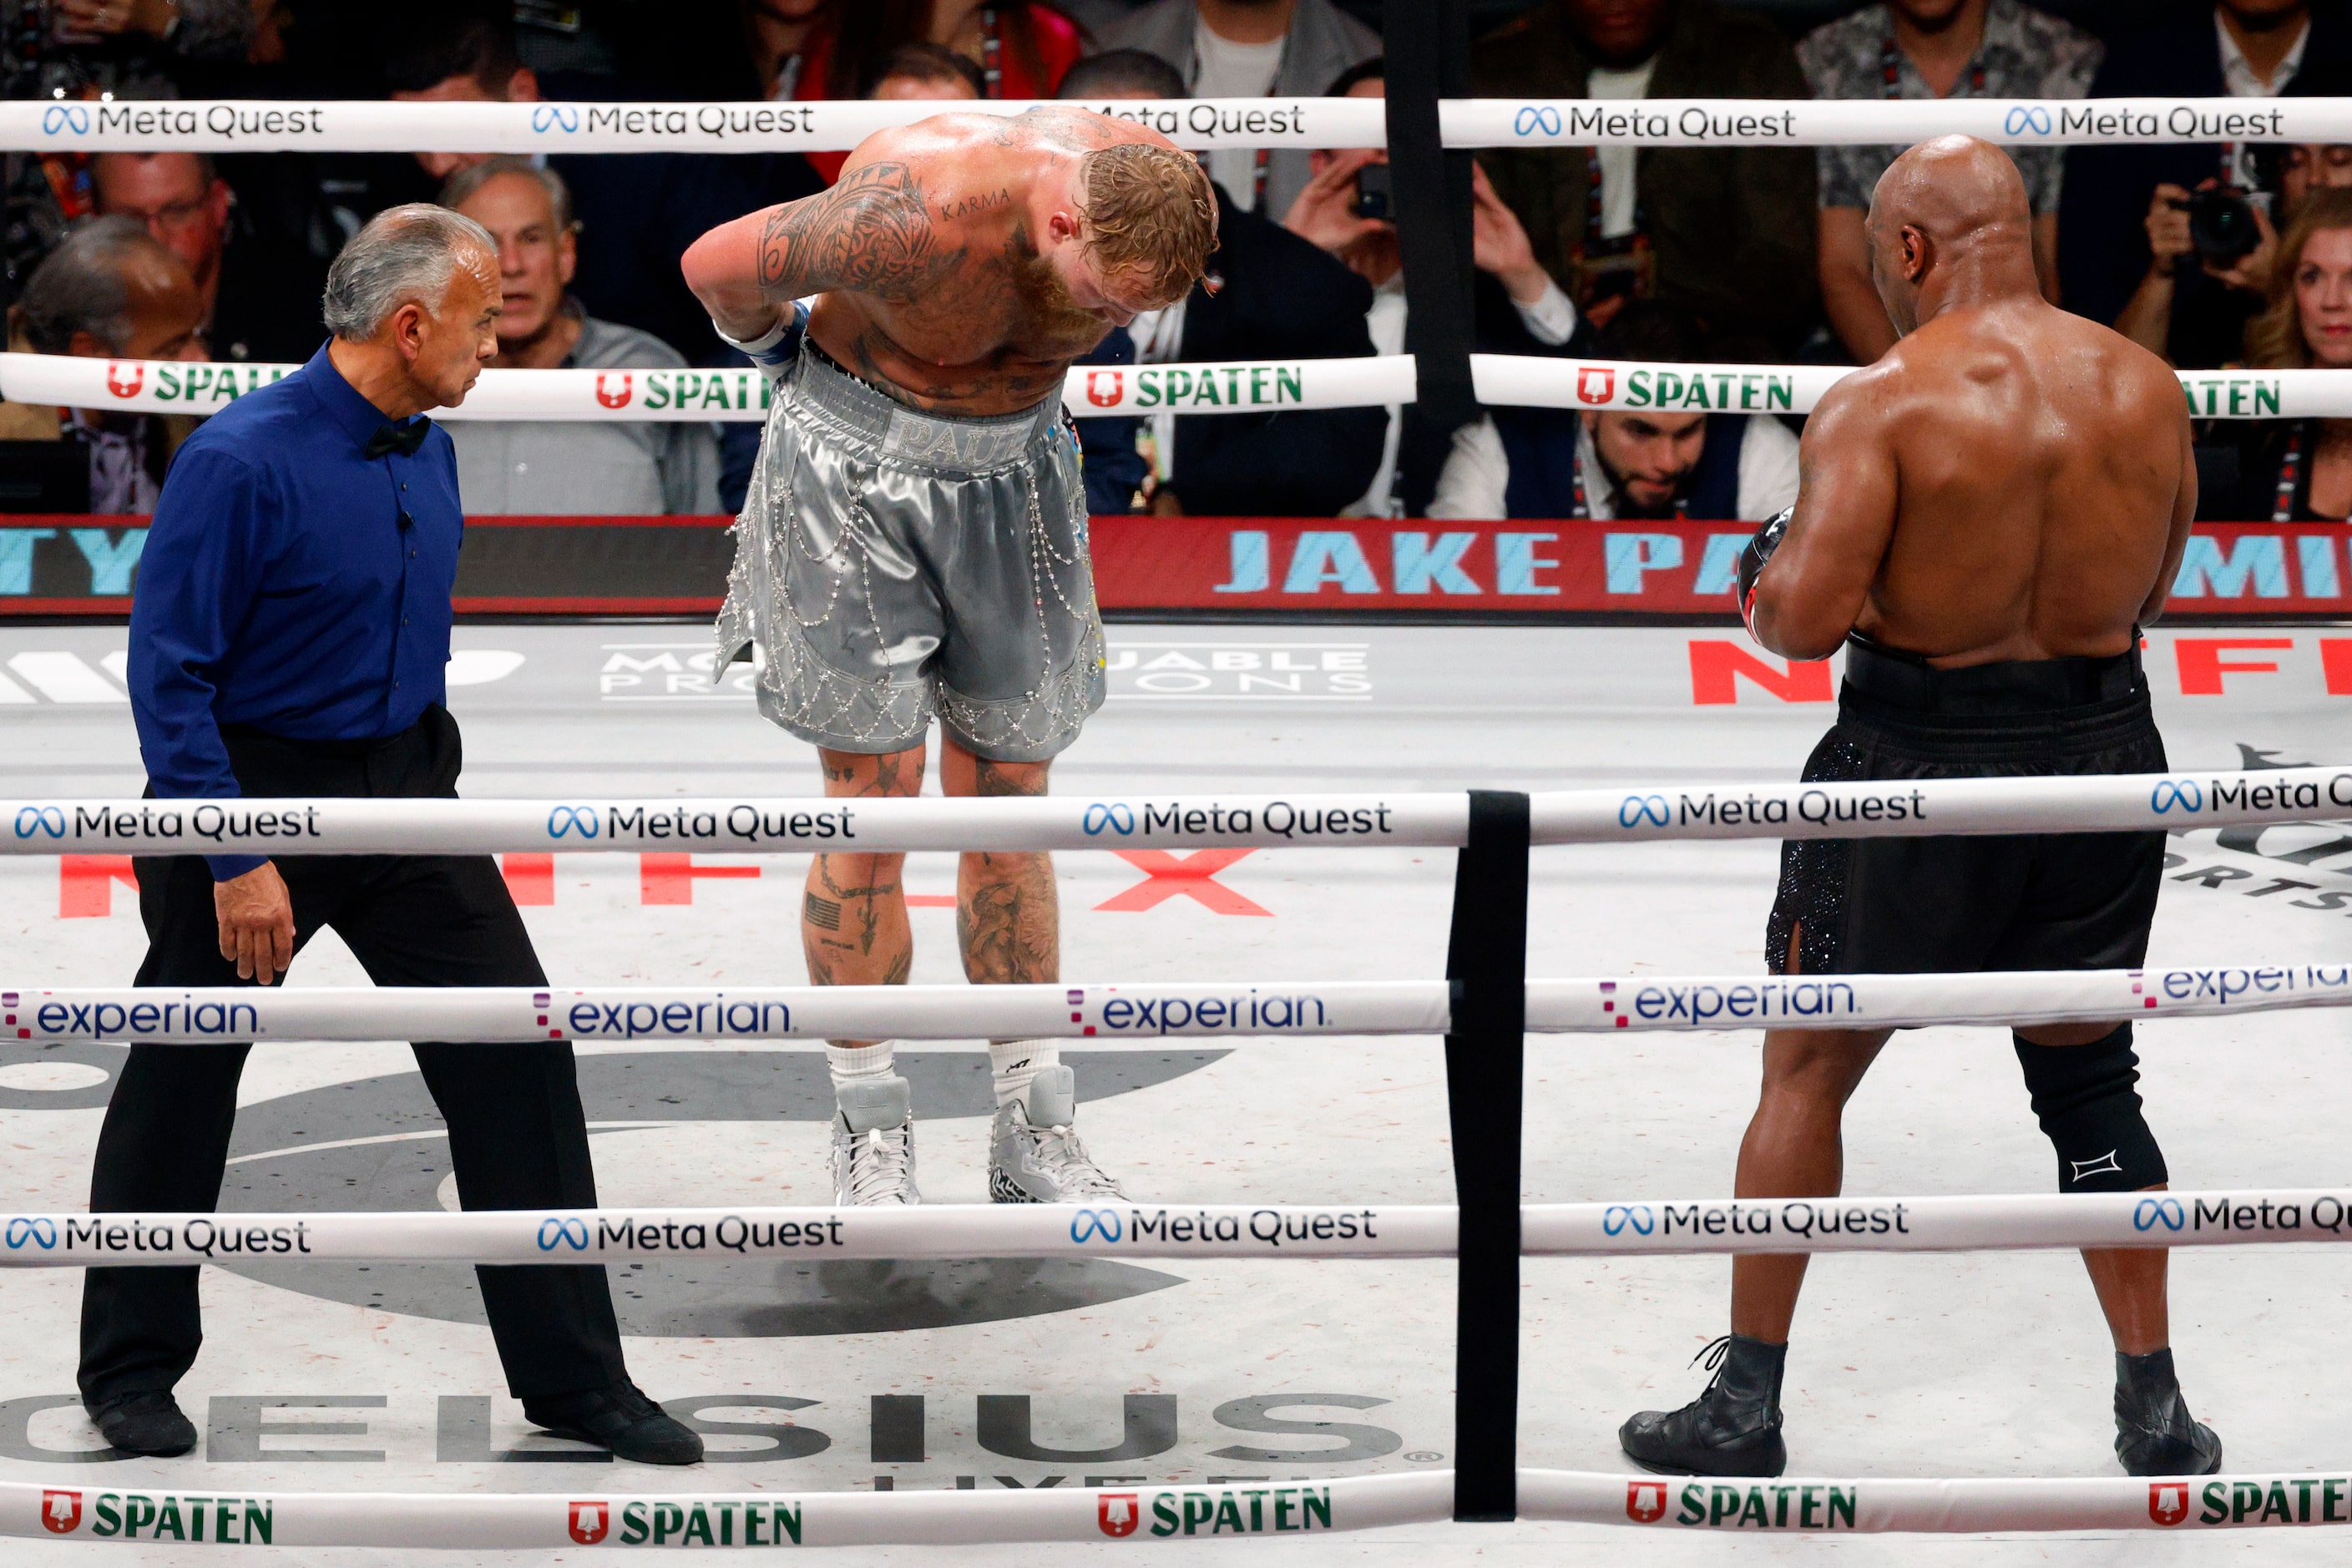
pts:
[2025, 54]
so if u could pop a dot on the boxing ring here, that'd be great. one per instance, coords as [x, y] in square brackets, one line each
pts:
[1484, 1008]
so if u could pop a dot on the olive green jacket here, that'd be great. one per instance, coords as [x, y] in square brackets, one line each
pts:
[1732, 227]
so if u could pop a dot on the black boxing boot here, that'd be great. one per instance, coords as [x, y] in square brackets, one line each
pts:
[1732, 1429]
[2155, 1434]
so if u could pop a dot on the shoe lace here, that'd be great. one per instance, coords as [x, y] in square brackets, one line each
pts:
[1059, 1153]
[878, 1163]
[1712, 1353]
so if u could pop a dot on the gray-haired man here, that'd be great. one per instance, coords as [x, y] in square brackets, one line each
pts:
[288, 635]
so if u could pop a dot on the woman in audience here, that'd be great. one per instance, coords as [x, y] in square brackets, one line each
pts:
[2298, 469]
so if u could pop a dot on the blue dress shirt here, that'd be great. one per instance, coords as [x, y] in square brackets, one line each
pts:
[291, 584]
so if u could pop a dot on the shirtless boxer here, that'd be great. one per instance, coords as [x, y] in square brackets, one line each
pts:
[915, 540]
[1986, 518]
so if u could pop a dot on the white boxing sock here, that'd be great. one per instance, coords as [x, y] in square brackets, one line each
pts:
[1015, 1062]
[854, 1064]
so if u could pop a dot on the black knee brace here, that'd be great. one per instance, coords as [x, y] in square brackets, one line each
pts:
[2084, 1098]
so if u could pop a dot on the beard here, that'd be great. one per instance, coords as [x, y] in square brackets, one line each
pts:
[1630, 506]
[1053, 322]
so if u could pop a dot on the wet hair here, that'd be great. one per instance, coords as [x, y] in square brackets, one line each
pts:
[84, 286]
[2274, 338]
[404, 254]
[1116, 71]
[1152, 216]
[462, 185]
[925, 62]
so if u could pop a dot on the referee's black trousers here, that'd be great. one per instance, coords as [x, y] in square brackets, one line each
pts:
[517, 1136]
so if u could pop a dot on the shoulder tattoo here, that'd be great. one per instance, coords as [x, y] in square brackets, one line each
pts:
[870, 235]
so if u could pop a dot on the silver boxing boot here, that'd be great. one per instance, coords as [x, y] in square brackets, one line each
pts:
[873, 1143]
[1035, 1156]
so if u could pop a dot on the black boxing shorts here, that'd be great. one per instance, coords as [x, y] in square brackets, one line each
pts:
[2043, 900]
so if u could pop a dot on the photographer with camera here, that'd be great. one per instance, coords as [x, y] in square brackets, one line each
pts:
[1349, 209]
[2172, 243]
[2225, 234]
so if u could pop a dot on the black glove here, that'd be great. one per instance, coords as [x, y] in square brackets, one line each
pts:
[1751, 562]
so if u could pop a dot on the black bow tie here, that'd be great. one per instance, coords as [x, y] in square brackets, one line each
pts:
[402, 439]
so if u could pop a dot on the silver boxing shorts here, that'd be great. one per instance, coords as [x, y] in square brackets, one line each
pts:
[892, 564]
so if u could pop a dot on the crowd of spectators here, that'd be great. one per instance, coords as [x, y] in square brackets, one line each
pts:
[2210, 254]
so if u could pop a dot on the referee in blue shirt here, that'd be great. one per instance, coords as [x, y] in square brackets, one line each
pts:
[288, 638]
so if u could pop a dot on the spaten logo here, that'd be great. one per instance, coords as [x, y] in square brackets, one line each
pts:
[1118, 1513]
[564, 819]
[555, 117]
[1087, 1223]
[1642, 808]
[2186, 794]
[2167, 1501]
[2026, 116]
[1617, 1217]
[1117, 817]
[70, 117]
[1536, 117]
[590, 1520]
[125, 380]
[1595, 382]
[60, 1511]
[562, 1231]
[1646, 1501]
[40, 1232]
[33, 819]
[611, 399]
[1104, 388]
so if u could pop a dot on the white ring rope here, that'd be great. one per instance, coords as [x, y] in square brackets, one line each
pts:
[1238, 387]
[1151, 1011]
[368, 126]
[768, 825]
[1803, 1505]
[488, 1522]
[1651, 1227]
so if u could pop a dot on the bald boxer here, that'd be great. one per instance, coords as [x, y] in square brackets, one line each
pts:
[1987, 516]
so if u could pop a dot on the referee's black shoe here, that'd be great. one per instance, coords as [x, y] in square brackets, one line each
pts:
[1732, 1429]
[147, 1423]
[620, 1418]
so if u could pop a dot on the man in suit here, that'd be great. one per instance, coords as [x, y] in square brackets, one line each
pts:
[1726, 232]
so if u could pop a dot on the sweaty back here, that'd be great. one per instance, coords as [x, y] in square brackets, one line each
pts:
[2039, 461]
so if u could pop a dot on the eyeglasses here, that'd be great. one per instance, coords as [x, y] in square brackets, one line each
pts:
[174, 216]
